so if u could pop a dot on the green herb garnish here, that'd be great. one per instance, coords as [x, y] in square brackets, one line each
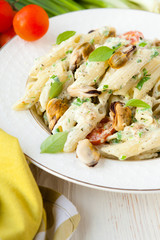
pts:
[155, 54]
[134, 77]
[110, 91]
[144, 79]
[56, 87]
[69, 51]
[140, 134]
[139, 60]
[54, 143]
[117, 46]
[105, 87]
[92, 41]
[57, 130]
[101, 54]
[119, 135]
[115, 140]
[123, 157]
[64, 36]
[137, 103]
[63, 59]
[105, 33]
[80, 101]
[142, 44]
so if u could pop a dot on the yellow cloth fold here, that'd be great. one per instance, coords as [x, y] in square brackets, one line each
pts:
[20, 200]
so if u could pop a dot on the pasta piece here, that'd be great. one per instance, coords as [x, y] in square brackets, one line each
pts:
[79, 121]
[44, 97]
[100, 35]
[116, 79]
[156, 90]
[146, 155]
[32, 94]
[127, 90]
[132, 147]
[143, 115]
[153, 69]
[89, 74]
[156, 107]
[58, 52]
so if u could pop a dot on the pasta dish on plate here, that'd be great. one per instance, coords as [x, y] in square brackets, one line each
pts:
[99, 94]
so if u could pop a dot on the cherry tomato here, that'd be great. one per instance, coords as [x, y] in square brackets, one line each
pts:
[6, 16]
[6, 36]
[101, 132]
[133, 36]
[31, 22]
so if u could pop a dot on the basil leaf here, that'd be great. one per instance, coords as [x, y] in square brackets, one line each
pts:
[56, 87]
[64, 36]
[54, 143]
[101, 54]
[137, 103]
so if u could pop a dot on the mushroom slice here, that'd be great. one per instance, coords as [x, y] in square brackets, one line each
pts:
[87, 153]
[119, 58]
[120, 115]
[55, 109]
[80, 54]
[83, 91]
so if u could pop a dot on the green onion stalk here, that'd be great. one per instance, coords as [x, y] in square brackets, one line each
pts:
[57, 7]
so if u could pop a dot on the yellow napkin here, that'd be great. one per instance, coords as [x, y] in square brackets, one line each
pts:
[20, 200]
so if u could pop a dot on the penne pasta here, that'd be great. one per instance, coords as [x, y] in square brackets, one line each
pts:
[98, 89]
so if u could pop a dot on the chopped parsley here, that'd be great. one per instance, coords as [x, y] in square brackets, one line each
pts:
[110, 91]
[105, 87]
[92, 41]
[119, 135]
[134, 77]
[134, 119]
[144, 79]
[115, 140]
[140, 134]
[123, 157]
[142, 44]
[139, 60]
[80, 101]
[69, 51]
[69, 76]
[57, 130]
[117, 46]
[63, 59]
[106, 32]
[155, 54]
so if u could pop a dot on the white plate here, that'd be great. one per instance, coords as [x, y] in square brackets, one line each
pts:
[16, 60]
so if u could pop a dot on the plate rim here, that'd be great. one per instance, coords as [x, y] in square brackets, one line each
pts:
[90, 185]
[74, 180]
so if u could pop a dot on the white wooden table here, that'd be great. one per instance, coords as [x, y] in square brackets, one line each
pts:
[108, 215]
